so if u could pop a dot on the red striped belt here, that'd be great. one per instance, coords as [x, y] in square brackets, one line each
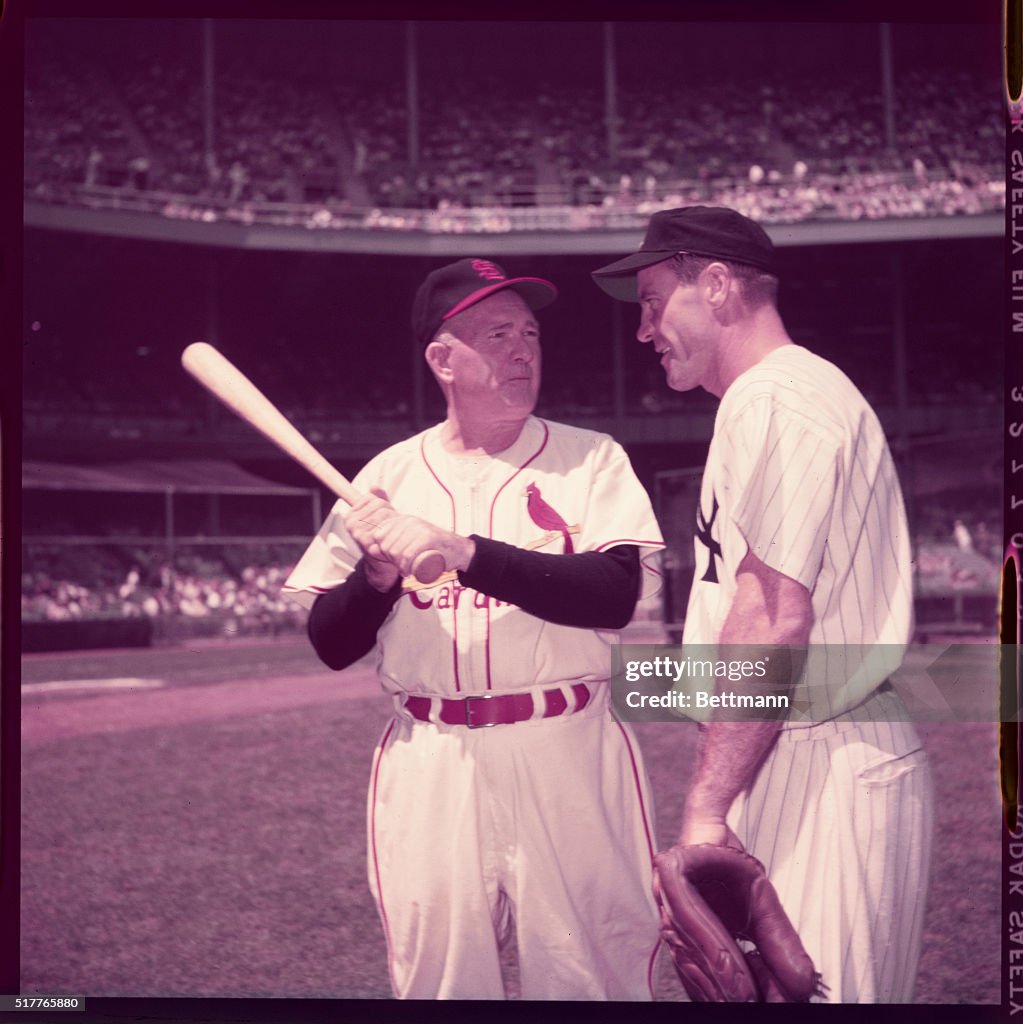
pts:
[480, 710]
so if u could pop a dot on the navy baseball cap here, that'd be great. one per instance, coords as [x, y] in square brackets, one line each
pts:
[448, 290]
[714, 231]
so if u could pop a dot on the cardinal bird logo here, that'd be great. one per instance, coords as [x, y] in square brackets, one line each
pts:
[545, 517]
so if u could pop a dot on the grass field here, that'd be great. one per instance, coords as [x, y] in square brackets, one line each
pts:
[199, 829]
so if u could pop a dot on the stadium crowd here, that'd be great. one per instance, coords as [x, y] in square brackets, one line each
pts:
[953, 555]
[241, 602]
[958, 544]
[328, 153]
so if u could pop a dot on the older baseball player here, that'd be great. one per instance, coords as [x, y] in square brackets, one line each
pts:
[506, 802]
[800, 539]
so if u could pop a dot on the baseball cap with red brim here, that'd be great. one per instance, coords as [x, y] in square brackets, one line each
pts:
[448, 290]
[713, 231]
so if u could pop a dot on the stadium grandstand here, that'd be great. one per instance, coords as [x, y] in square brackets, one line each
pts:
[279, 188]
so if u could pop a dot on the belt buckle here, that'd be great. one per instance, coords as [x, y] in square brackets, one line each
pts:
[468, 712]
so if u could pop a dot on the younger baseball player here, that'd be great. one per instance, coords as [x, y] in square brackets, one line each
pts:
[506, 800]
[801, 539]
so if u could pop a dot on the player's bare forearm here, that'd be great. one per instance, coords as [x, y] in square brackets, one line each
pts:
[769, 610]
[730, 754]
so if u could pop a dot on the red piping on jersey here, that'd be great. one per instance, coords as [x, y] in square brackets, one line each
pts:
[639, 787]
[649, 841]
[651, 964]
[490, 528]
[454, 604]
[373, 841]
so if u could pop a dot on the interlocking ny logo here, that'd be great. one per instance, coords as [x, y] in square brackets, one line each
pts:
[703, 528]
[487, 270]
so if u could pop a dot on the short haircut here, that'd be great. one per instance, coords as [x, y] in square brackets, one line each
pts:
[757, 285]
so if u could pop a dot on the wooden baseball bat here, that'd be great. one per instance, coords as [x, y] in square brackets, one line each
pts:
[222, 378]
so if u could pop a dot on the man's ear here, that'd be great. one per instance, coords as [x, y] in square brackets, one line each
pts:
[718, 283]
[438, 354]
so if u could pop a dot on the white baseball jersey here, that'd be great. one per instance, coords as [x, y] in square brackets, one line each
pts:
[540, 826]
[840, 812]
[556, 489]
[800, 471]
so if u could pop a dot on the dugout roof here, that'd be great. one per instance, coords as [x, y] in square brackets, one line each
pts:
[178, 476]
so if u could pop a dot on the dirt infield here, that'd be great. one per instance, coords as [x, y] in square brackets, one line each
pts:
[196, 827]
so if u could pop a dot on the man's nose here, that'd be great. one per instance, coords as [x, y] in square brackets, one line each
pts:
[523, 349]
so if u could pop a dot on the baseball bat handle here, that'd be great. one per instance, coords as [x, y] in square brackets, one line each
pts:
[224, 380]
[428, 565]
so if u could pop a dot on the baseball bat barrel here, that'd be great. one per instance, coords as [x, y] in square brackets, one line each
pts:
[223, 379]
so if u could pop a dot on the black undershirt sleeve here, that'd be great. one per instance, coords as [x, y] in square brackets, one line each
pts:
[592, 590]
[343, 623]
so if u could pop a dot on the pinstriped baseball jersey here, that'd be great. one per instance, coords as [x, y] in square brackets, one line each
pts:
[841, 816]
[800, 471]
[446, 639]
[839, 811]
